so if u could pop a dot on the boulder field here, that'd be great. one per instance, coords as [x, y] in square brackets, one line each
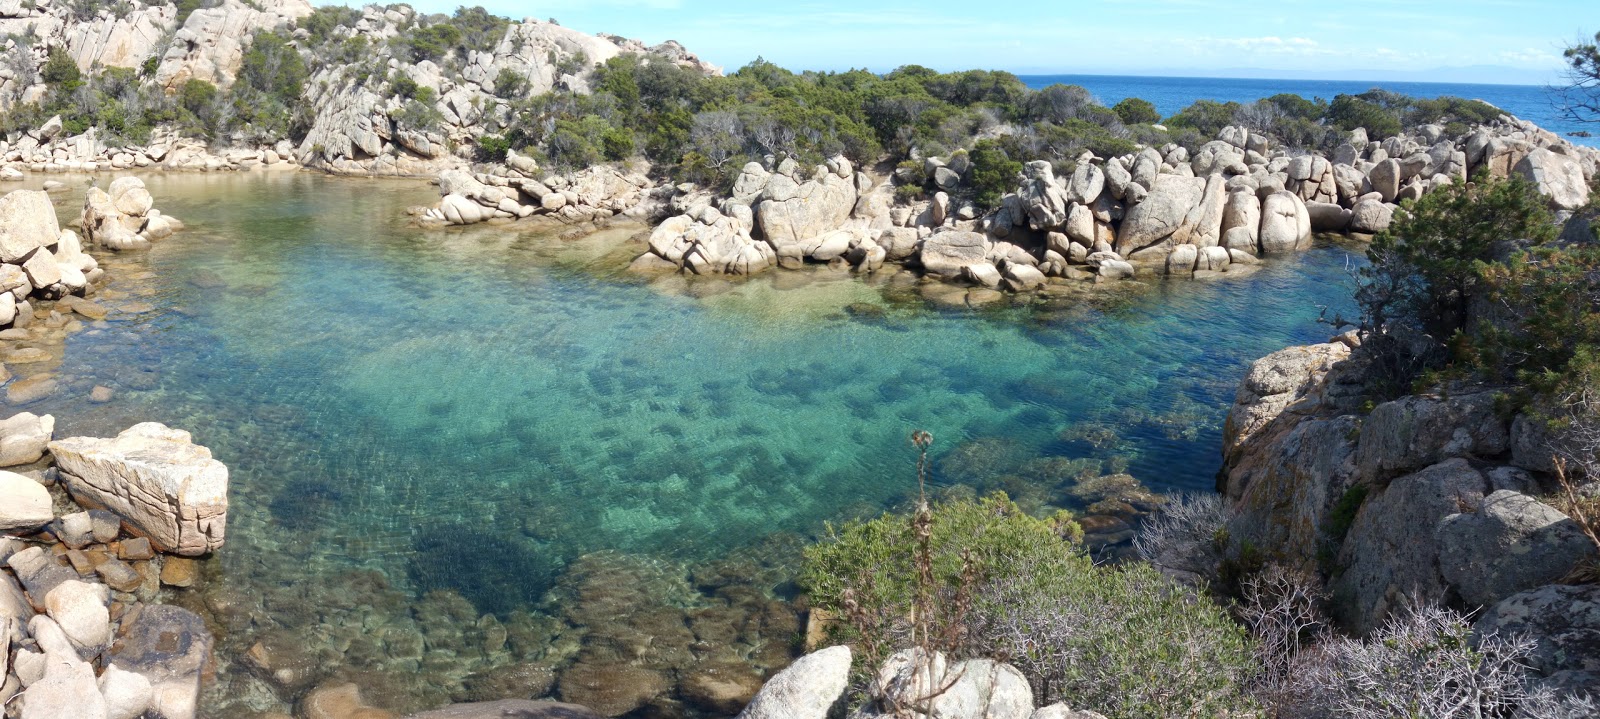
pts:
[81, 634]
[1235, 200]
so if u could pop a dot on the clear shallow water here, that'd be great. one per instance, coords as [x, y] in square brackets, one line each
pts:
[476, 410]
[1171, 95]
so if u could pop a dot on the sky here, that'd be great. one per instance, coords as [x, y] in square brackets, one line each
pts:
[1508, 41]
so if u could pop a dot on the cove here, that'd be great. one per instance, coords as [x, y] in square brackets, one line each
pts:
[479, 410]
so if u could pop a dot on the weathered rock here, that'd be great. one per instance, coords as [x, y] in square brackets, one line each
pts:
[974, 689]
[1509, 544]
[1371, 216]
[127, 695]
[1564, 622]
[1023, 278]
[808, 689]
[1556, 176]
[27, 223]
[1151, 225]
[1386, 177]
[1285, 224]
[162, 484]
[793, 214]
[24, 503]
[1420, 430]
[1328, 217]
[1391, 554]
[80, 609]
[339, 701]
[947, 253]
[1044, 199]
[1062, 711]
[67, 689]
[24, 438]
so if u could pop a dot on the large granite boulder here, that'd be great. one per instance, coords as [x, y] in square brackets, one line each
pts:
[807, 689]
[1148, 228]
[1557, 176]
[946, 254]
[1509, 544]
[1420, 430]
[1285, 224]
[793, 212]
[1043, 198]
[972, 689]
[27, 223]
[1391, 554]
[211, 44]
[162, 484]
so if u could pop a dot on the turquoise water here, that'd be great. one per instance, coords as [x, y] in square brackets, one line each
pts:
[476, 410]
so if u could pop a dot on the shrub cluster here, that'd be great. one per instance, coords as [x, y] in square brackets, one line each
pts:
[1122, 639]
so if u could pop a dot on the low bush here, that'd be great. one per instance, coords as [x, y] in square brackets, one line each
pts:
[1134, 111]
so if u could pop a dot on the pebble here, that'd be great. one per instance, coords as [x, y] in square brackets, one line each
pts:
[136, 549]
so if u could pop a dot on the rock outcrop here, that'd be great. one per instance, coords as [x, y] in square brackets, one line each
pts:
[163, 485]
[40, 260]
[519, 191]
[1426, 497]
[123, 216]
[1158, 210]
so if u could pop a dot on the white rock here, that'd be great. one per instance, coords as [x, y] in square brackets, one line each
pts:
[24, 504]
[24, 437]
[80, 609]
[27, 222]
[162, 484]
[807, 689]
[127, 694]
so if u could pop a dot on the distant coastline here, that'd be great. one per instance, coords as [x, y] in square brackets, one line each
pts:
[1171, 94]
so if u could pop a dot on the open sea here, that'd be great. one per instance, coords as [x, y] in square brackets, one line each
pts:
[1171, 94]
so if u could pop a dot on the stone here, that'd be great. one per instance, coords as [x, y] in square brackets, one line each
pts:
[1564, 622]
[179, 572]
[983, 274]
[129, 196]
[1043, 198]
[946, 254]
[106, 526]
[808, 689]
[339, 701]
[1088, 181]
[1159, 216]
[1558, 177]
[973, 689]
[119, 575]
[127, 695]
[31, 389]
[163, 485]
[27, 223]
[1391, 554]
[1023, 278]
[42, 269]
[76, 530]
[80, 609]
[1413, 432]
[1371, 216]
[1509, 544]
[136, 549]
[24, 504]
[1328, 217]
[1386, 177]
[39, 573]
[1182, 260]
[1285, 225]
[510, 709]
[721, 688]
[1242, 212]
[67, 689]
[170, 647]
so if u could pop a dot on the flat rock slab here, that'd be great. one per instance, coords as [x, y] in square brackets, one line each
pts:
[165, 486]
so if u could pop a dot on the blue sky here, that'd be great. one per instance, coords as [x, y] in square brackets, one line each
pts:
[1353, 39]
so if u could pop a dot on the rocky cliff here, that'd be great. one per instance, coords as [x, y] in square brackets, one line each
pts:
[353, 109]
[1433, 497]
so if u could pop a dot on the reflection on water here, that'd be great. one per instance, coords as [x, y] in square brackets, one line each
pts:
[487, 456]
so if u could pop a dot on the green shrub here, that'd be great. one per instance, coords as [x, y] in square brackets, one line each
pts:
[994, 173]
[1205, 117]
[60, 73]
[493, 148]
[510, 84]
[1349, 112]
[1121, 639]
[1134, 111]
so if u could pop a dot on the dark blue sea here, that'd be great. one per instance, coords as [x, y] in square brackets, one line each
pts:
[1172, 94]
